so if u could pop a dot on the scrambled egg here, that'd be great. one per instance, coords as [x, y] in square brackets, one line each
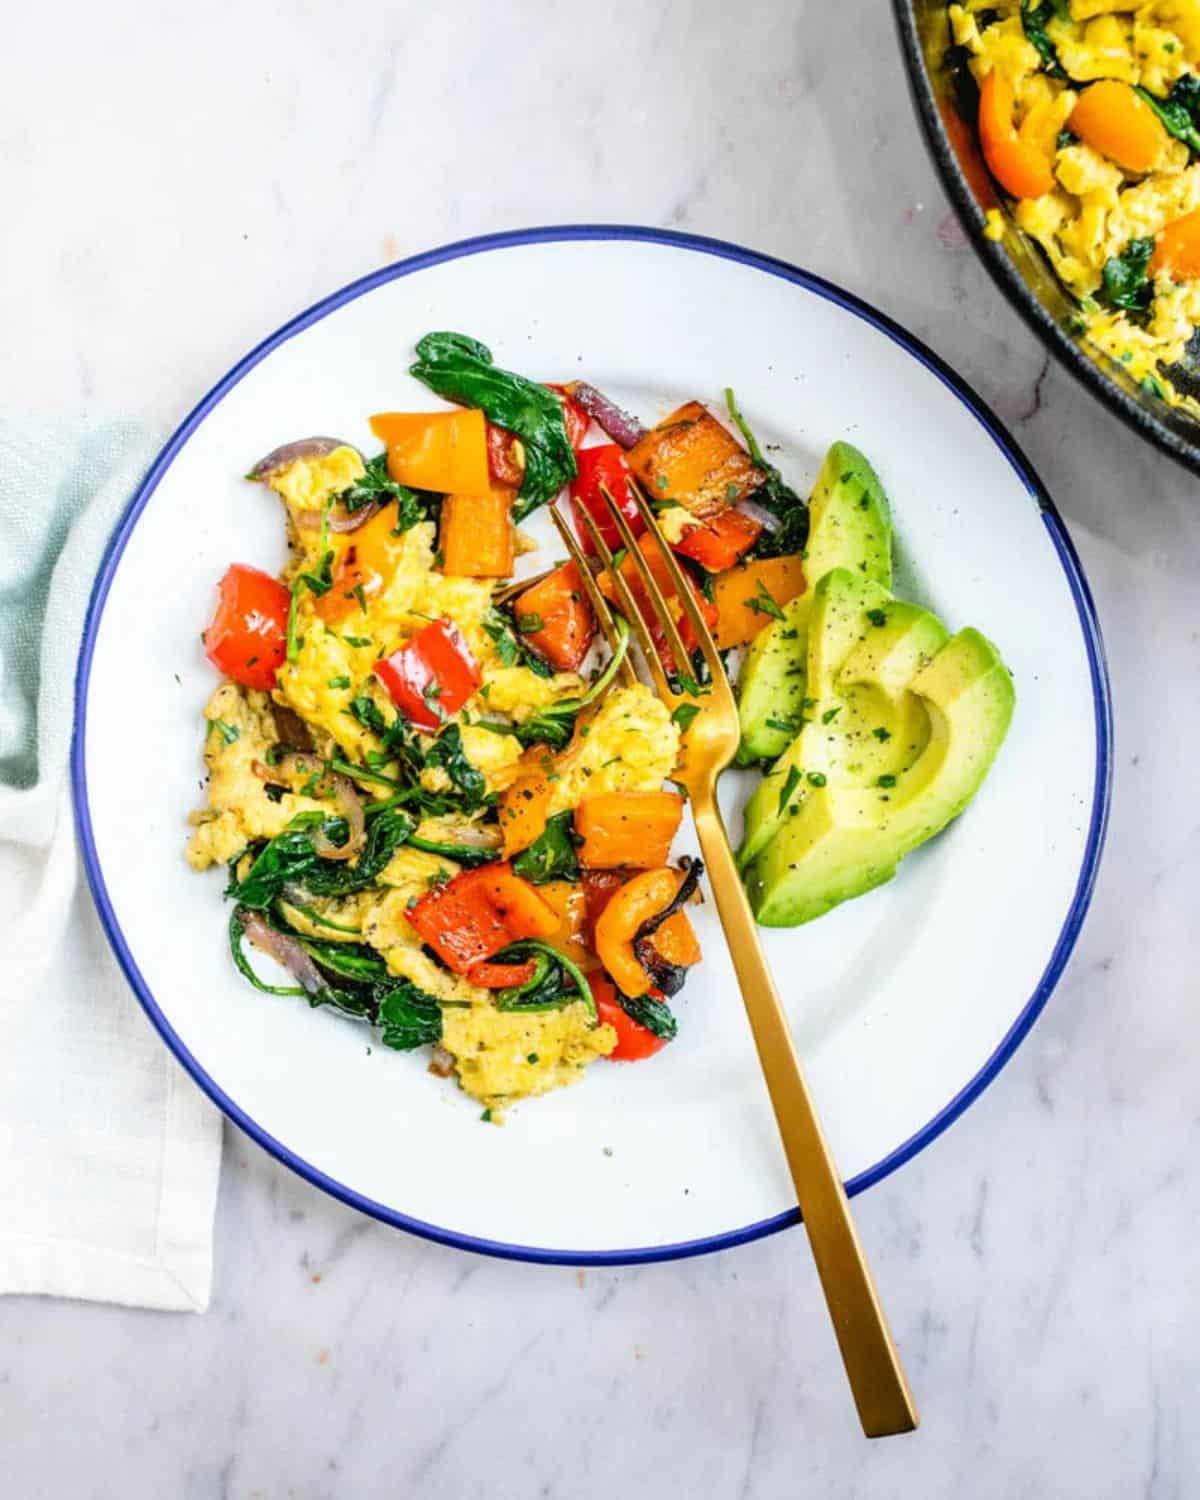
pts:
[629, 745]
[1097, 208]
[240, 732]
[502, 1056]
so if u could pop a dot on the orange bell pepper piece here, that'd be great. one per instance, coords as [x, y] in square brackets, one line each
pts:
[445, 451]
[363, 569]
[476, 534]
[1177, 250]
[567, 626]
[1017, 165]
[525, 803]
[627, 828]
[1115, 120]
[634, 904]
[569, 902]
[744, 596]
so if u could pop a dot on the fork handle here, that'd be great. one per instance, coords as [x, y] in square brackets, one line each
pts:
[881, 1393]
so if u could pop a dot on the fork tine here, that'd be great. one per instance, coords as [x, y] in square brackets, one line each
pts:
[595, 598]
[666, 620]
[712, 660]
[628, 607]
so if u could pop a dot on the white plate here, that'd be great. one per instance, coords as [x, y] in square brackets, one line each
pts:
[905, 1003]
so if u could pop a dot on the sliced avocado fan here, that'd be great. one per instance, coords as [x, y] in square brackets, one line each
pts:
[901, 725]
[850, 526]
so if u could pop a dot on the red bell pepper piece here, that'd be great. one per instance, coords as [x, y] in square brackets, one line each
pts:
[567, 626]
[634, 1041]
[605, 467]
[432, 676]
[505, 465]
[717, 544]
[576, 418]
[479, 912]
[247, 639]
[492, 976]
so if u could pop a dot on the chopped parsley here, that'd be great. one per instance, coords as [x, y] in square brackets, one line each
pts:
[763, 604]
[789, 786]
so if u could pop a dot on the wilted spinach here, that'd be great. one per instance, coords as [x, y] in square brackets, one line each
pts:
[1125, 283]
[551, 856]
[1180, 110]
[654, 1015]
[290, 858]
[1036, 15]
[776, 495]
[448, 753]
[461, 369]
[375, 483]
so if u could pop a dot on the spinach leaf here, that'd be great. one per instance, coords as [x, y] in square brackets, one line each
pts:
[377, 484]
[1180, 111]
[385, 833]
[653, 1014]
[552, 726]
[407, 1017]
[556, 980]
[1035, 17]
[291, 858]
[348, 960]
[1124, 278]
[447, 752]
[551, 856]
[776, 495]
[461, 369]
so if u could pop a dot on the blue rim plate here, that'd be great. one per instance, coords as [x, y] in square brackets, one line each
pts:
[1096, 813]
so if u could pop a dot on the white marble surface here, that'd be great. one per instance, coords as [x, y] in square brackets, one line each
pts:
[178, 180]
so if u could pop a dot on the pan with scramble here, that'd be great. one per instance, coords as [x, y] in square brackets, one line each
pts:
[1089, 119]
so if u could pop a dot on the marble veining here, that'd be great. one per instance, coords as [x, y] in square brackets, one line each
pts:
[181, 179]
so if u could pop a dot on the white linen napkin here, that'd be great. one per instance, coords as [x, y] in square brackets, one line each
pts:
[109, 1154]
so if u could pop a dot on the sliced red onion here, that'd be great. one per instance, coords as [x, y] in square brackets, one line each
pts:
[283, 949]
[767, 519]
[283, 458]
[619, 425]
[341, 520]
[298, 766]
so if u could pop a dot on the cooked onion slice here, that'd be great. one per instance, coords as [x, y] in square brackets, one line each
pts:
[283, 949]
[296, 768]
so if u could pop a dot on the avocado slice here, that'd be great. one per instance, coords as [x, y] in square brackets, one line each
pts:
[843, 838]
[850, 520]
[839, 619]
[850, 526]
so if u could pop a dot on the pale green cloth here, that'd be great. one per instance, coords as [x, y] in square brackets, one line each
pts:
[109, 1155]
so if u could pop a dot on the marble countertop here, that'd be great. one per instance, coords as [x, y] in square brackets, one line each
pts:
[186, 177]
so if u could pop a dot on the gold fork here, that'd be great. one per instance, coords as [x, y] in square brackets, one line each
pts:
[881, 1394]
